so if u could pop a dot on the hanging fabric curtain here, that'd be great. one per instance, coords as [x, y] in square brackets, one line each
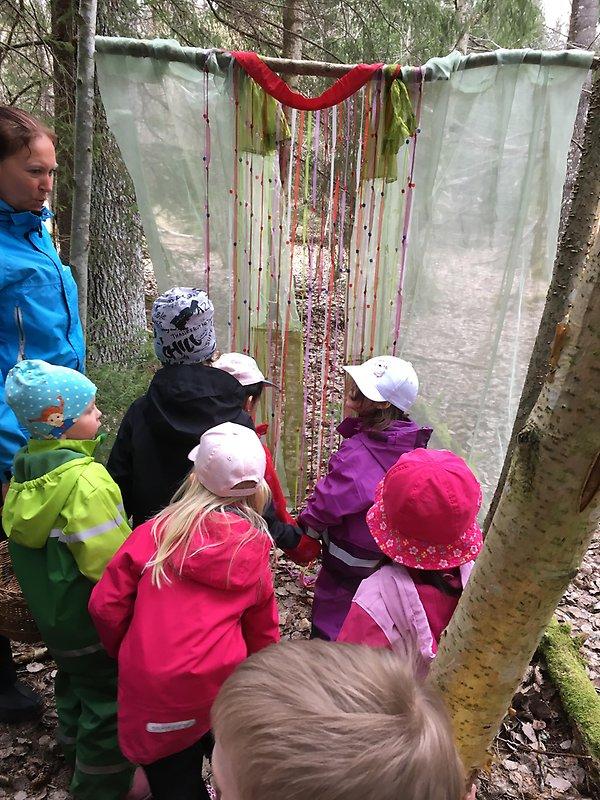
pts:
[417, 214]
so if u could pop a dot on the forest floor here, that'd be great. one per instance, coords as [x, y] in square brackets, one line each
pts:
[536, 755]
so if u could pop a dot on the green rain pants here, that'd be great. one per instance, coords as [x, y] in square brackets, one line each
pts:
[87, 730]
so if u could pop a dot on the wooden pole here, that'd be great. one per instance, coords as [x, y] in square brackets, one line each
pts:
[147, 48]
[83, 142]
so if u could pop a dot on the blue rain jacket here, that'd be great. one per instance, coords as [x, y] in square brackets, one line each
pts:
[38, 311]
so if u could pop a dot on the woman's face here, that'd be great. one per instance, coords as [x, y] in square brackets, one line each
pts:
[26, 177]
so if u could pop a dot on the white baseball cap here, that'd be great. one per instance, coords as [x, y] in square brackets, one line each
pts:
[228, 455]
[387, 379]
[242, 367]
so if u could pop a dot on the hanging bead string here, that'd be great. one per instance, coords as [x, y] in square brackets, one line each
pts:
[275, 226]
[284, 236]
[291, 242]
[248, 217]
[367, 260]
[407, 212]
[325, 206]
[235, 232]
[281, 217]
[309, 197]
[375, 324]
[356, 270]
[349, 108]
[206, 159]
[332, 205]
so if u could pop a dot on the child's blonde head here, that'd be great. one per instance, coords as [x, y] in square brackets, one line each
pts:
[175, 526]
[334, 722]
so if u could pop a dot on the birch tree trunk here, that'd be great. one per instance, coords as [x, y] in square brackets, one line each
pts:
[550, 506]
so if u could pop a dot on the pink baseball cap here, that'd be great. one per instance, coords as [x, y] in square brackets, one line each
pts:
[244, 368]
[425, 511]
[228, 455]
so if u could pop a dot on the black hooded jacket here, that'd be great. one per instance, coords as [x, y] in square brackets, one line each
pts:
[149, 458]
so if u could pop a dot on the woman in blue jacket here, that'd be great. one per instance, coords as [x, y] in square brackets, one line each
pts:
[38, 309]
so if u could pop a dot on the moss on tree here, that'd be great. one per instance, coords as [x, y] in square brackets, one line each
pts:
[579, 697]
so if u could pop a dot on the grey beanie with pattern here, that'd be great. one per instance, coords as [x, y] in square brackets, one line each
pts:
[184, 332]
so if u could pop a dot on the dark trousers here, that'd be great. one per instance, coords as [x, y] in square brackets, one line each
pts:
[179, 777]
[8, 672]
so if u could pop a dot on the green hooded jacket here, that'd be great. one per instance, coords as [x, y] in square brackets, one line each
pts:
[63, 515]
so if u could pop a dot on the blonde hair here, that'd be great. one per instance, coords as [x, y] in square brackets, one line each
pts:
[186, 515]
[340, 722]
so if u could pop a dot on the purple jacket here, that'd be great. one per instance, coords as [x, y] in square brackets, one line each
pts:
[337, 511]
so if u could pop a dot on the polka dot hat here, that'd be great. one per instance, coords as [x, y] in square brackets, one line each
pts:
[46, 399]
[425, 511]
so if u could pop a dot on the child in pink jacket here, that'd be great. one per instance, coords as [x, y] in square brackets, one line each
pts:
[184, 601]
[424, 520]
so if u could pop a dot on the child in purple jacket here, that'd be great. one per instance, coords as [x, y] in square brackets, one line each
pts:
[425, 520]
[379, 393]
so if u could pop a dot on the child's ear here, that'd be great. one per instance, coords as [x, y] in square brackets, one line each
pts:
[249, 404]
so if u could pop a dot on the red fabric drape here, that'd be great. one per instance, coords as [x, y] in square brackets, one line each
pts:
[272, 84]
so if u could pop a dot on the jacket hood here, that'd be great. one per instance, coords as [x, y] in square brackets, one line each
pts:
[231, 560]
[385, 446]
[184, 400]
[45, 475]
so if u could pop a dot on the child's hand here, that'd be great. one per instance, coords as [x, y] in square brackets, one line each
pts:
[472, 794]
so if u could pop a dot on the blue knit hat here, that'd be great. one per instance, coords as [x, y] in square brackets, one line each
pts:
[47, 400]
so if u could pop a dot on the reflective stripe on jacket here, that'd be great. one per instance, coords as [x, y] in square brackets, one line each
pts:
[64, 519]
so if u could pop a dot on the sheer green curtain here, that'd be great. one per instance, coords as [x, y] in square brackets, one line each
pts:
[449, 250]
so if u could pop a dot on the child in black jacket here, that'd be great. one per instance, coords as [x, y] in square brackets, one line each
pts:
[186, 397]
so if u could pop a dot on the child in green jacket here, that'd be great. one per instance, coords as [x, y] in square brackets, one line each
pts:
[63, 515]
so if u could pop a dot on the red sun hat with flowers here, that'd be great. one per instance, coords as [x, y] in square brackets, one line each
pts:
[425, 511]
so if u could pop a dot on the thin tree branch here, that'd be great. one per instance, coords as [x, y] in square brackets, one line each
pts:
[278, 27]
[259, 39]
[29, 61]
[19, 94]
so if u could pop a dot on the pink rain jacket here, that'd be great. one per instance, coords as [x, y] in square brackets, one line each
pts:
[176, 645]
[387, 612]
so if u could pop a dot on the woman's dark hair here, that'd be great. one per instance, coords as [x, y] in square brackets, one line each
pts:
[254, 390]
[18, 129]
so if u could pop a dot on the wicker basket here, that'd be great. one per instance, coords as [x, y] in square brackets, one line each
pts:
[16, 621]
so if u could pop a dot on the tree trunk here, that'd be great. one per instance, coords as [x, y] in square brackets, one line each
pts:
[62, 14]
[116, 313]
[550, 506]
[291, 48]
[582, 30]
[582, 33]
[82, 151]
[461, 16]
